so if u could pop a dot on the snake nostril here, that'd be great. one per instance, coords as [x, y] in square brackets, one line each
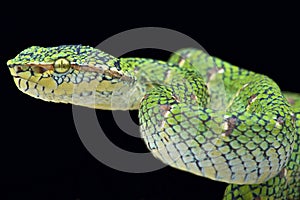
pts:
[21, 68]
[18, 69]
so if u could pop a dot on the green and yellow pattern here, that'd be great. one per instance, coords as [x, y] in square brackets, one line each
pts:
[197, 113]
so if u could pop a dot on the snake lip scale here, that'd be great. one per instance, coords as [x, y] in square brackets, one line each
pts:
[197, 113]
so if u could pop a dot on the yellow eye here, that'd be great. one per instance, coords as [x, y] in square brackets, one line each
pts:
[61, 65]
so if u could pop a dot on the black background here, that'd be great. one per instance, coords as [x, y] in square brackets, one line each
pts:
[41, 154]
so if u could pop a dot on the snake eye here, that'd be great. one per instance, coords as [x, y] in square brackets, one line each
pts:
[62, 65]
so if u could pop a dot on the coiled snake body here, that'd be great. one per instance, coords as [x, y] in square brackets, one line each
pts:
[197, 113]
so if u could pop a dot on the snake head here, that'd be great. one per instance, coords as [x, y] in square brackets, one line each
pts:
[68, 72]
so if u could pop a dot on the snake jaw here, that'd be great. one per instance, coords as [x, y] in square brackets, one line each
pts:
[27, 71]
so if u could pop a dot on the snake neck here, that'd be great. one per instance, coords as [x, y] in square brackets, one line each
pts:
[185, 85]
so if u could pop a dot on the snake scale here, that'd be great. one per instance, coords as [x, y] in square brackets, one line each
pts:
[197, 113]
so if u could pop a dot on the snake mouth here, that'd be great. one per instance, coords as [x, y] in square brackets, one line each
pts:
[22, 77]
[16, 76]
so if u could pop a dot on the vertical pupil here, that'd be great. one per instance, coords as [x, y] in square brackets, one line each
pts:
[61, 65]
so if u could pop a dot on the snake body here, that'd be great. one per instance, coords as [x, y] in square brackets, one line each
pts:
[197, 113]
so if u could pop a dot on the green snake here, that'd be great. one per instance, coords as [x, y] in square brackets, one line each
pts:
[197, 113]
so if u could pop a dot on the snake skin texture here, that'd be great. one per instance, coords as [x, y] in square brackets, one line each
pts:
[197, 113]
